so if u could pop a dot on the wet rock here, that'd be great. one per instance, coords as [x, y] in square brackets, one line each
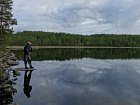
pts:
[6, 86]
[16, 73]
[12, 63]
[13, 58]
[8, 91]
[6, 65]
[4, 76]
[0, 60]
[7, 59]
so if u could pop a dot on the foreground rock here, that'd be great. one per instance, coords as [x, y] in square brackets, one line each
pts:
[12, 63]
[7, 59]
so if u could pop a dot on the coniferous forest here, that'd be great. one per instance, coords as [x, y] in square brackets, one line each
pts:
[39, 38]
[6, 20]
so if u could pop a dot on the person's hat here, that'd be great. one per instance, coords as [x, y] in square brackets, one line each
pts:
[29, 43]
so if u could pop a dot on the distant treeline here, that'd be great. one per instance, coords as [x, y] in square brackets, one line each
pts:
[69, 54]
[39, 38]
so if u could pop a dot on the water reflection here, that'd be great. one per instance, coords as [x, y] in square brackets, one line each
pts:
[84, 82]
[27, 87]
[68, 54]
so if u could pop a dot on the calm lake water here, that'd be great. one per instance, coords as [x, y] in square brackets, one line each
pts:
[80, 77]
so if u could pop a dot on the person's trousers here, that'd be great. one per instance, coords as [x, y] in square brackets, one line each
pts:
[27, 59]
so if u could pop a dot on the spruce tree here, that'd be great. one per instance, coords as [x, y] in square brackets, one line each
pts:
[6, 19]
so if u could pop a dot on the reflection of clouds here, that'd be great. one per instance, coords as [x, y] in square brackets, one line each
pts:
[89, 65]
[136, 65]
[86, 82]
[90, 78]
[73, 71]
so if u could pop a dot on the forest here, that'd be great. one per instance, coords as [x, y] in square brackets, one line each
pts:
[39, 38]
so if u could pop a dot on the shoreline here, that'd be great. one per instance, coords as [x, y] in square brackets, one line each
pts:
[40, 47]
[7, 60]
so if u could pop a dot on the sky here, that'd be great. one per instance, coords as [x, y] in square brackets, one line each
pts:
[78, 16]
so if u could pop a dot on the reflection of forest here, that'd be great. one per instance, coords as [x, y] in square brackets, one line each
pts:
[66, 54]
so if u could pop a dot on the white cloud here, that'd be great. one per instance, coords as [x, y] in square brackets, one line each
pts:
[80, 16]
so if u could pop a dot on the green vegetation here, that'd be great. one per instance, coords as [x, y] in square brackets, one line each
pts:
[67, 54]
[39, 38]
[6, 20]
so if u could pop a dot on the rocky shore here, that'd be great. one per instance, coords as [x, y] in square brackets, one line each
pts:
[7, 59]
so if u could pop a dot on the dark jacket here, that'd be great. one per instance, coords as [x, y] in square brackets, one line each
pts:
[27, 49]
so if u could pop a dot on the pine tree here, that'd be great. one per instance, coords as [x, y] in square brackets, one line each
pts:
[6, 19]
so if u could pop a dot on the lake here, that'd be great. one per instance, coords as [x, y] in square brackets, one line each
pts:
[80, 77]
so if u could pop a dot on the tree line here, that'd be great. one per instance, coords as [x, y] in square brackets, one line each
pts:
[39, 38]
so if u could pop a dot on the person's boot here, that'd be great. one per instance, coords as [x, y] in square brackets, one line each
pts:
[25, 65]
[30, 64]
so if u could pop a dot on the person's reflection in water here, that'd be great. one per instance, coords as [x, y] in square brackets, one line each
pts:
[27, 88]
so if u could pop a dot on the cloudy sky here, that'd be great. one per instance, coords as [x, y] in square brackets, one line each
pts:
[78, 16]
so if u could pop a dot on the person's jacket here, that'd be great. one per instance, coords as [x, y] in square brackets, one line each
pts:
[27, 49]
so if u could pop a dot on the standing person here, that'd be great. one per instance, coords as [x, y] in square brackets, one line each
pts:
[27, 52]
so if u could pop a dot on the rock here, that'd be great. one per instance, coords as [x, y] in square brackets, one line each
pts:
[7, 59]
[13, 58]
[12, 63]
[4, 76]
[6, 86]
[5, 65]
[16, 73]
[0, 60]
[8, 91]
[12, 54]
